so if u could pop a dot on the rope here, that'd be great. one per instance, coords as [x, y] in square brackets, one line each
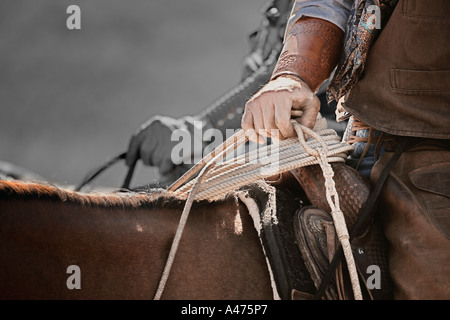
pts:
[235, 140]
[333, 202]
[237, 172]
[222, 177]
[184, 216]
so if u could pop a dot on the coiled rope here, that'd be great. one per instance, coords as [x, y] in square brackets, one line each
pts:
[218, 177]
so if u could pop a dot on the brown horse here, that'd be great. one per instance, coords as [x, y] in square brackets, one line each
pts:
[120, 242]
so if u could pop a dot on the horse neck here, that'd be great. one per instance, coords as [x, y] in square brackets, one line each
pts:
[121, 250]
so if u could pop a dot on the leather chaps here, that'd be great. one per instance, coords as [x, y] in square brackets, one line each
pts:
[413, 211]
[415, 208]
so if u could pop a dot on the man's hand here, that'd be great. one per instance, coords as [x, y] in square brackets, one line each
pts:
[152, 143]
[274, 106]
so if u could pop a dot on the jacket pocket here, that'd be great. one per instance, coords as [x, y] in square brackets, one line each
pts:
[420, 81]
[434, 184]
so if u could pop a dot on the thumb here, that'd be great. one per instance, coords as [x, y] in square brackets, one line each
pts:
[310, 111]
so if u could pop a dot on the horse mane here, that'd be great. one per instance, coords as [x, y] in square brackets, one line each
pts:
[24, 191]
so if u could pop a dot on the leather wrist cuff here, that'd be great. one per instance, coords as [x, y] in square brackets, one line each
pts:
[311, 51]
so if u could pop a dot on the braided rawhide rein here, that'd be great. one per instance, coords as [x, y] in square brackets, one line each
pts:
[217, 178]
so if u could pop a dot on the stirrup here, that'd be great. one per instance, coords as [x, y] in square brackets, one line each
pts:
[314, 232]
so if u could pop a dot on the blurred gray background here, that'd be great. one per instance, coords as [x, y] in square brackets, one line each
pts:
[71, 99]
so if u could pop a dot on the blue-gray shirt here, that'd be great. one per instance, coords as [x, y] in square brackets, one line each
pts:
[334, 11]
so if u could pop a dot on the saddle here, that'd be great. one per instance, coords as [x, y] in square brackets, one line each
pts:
[299, 239]
[317, 239]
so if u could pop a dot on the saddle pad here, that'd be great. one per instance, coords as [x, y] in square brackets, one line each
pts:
[272, 210]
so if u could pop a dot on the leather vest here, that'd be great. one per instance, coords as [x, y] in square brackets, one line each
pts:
[405, 88]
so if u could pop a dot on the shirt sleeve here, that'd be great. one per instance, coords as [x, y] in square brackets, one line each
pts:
[334, 11]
